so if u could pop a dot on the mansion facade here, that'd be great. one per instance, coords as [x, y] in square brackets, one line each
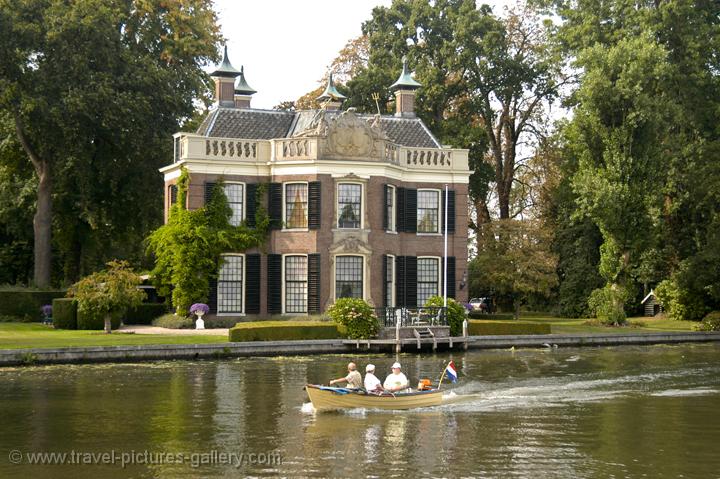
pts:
[357, 202]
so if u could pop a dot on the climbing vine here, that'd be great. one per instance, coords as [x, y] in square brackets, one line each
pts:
[189, 246]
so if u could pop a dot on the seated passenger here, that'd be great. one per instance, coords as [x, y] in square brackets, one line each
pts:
[372, 383]
[353, 379]
[396, 381]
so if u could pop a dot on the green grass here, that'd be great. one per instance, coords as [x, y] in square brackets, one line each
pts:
[33, 335]
[577, 326]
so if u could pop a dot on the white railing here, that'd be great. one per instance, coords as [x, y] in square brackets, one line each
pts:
[427, 157]
[296, 149]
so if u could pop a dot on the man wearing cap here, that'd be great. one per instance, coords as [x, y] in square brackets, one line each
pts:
[396, 381]
[353, 379]
[372, 383]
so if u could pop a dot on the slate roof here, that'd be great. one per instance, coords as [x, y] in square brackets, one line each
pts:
[268, 124]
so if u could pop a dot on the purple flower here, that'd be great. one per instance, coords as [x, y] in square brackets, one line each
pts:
[197, 307]
[46, 310]
[468, 306]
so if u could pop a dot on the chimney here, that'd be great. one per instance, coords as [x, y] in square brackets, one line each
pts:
[224, 78]
[243, 91]
[331, 97]
[404, 89]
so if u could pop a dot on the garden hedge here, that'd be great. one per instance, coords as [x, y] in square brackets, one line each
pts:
[144, 313]
[64, 313]
[93, 321]
[485, 316]
[26, 303]
[283, 330]
[493, 328]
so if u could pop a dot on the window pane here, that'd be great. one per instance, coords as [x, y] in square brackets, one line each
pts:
[348, 276]
[229, 286]
[389, 285]
[296, 202]
[296, 272]
[234, 194]
[389, 207]
[428, 273]
[428, 211]
[349, 205]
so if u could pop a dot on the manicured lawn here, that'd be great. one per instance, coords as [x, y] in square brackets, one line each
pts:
[33, 335]
[576, 326]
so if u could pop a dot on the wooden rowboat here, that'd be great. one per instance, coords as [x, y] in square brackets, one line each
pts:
[325, 398]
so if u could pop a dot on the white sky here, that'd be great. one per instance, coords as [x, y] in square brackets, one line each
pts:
[286, 45]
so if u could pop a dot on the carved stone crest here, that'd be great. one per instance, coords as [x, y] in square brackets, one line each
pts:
[350, 135]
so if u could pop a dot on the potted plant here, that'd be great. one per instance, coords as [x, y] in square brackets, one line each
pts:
[199, 310]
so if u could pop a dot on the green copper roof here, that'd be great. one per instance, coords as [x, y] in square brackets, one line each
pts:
[225, 69]
[241, 87]
[406, 81]
[331, 92]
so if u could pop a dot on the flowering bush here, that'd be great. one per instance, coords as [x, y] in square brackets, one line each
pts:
[455, 314]
[199, 307]
[46, 310]
[357, 316]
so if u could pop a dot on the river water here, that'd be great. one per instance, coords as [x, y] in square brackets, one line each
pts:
[560, 413]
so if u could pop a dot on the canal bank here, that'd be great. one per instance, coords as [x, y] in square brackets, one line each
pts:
[13, 357]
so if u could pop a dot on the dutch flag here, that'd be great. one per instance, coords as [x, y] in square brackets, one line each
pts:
[450, 372]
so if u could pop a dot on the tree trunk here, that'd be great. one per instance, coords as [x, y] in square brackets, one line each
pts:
[108, 324]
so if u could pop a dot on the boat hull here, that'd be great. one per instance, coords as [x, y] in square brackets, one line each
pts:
[326, 399]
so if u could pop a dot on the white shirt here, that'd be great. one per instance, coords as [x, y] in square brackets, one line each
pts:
[371, 382]
[396, 381]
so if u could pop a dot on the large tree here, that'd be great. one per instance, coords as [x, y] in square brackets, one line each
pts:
[94, 88]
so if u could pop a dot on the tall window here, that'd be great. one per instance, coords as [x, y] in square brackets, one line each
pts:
[296, 276]
[348, 277]
[234, 194]
[390, 281]
[296, 205]
[390, 207]
[428, 278]
[428, 211]
[230, 285]
[349, 210]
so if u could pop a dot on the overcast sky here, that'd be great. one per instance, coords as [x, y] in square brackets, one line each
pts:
[285, 45]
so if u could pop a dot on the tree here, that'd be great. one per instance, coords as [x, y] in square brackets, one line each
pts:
[108, 292]
[82, 81]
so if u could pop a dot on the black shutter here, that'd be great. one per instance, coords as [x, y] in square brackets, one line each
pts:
[400, 282]
[451, 277]
[314, 205]
[400, 210]
[314, 283]
[385, 258]
[411, 281]
[274, 283]
[212, 296]
[386, 220]
[450, 213]
[252, 283]
[410, 210]
[275, 206]
[209, 186]
[250, 204]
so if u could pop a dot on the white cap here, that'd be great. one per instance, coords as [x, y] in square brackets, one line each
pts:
[396, 365]
[369, 367]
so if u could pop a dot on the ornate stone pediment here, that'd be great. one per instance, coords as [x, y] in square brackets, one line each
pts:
[350, 135]
[350, 244]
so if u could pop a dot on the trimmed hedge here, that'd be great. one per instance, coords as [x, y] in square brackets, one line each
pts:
[26, 303]
[485, 316]
[92, 321]
[64, 313]
[494, 328]
[283, 330]
[144, 313]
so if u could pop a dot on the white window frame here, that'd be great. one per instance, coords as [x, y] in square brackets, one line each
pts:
[391, 260]
[337, 204]
[334, 273]
[242, 292]
[244, 198]
[284, 309]
[440, 213]
[392, 226]
[284, 205]
[439, 275]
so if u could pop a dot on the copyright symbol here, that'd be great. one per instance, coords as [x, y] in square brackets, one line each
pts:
[15, 457]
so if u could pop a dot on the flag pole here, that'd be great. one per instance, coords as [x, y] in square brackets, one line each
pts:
[445, 250]
[442, 377]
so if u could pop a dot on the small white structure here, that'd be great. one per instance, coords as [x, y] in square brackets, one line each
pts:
[652, 306]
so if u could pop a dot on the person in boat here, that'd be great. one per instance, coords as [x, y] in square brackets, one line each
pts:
[372, 383]
[353, 379]
[396, 381]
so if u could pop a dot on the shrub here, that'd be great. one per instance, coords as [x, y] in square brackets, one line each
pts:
[26, 303]
[219, 322]
[607, 304]
[283, 330]
[479, 315]
[172, 321]
[93, 320]
[356, 316]
[144, 313]
[711, 322]
[678, 303]
[64, 313]
[493, 328]
[455, 313]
